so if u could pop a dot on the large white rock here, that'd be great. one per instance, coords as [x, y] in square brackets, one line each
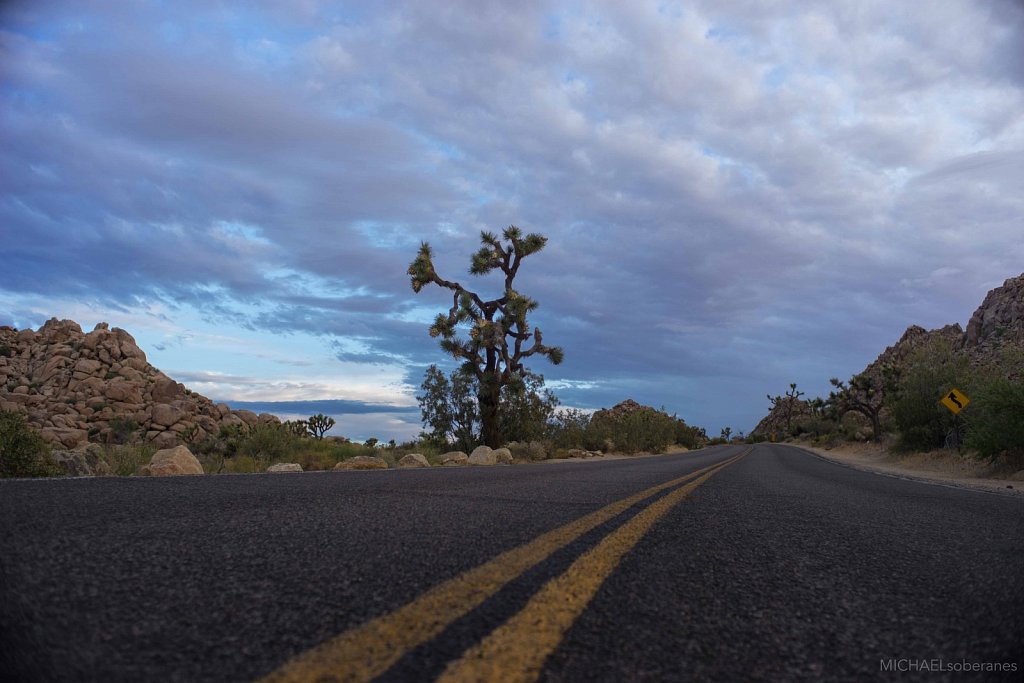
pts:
[86, 461]
[453, 459]
[503, 456]
[170, 462]
[483, 455]
[413, 460]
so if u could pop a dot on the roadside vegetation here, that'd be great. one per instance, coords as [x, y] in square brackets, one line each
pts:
[902, 408]
[534, 426]
[237, 449]
[491, 398]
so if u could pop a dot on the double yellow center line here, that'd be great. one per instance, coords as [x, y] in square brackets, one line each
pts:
[516, 650]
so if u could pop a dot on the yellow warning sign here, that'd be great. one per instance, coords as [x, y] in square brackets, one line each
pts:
[955, 400]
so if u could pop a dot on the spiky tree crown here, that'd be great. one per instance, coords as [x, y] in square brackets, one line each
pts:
[499, 335]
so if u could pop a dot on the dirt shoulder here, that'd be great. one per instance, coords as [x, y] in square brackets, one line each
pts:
[943, 467]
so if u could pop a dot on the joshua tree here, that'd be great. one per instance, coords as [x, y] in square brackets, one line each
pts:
[786, 404]
[499, 336]
[318, 424]
[726, 433]
[862, 395]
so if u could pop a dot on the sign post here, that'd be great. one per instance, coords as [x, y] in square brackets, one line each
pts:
[956, 401]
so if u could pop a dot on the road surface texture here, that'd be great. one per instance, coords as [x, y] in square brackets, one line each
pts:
[729, 563]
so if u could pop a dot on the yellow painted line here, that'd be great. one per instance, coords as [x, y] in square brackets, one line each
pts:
[516, 651]
[365, 652]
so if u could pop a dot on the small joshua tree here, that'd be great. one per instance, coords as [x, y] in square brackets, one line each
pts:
[500, 337]
[786, 404]
[862, 395]
[318, 424]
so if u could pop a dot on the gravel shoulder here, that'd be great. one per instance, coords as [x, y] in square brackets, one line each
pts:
[938, 467]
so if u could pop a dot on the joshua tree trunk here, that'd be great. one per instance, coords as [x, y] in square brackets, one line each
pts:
[489, 399]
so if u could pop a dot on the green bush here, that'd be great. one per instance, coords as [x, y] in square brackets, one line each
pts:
[123, 430]
[995, 418]
[528, 450]
[920, 419]
[643, 429]
[23, 453]
[568, 428]
[267, 443]
[124, 460]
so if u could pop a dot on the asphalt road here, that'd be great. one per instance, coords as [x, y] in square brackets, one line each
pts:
[777, 566]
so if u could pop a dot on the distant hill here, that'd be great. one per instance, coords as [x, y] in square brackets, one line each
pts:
[997, 324]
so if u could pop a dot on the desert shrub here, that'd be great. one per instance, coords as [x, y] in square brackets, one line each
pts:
[314, 460]
[813, 425]
[528, 450]
[921, 420]
[568, 428]
[688, 436]
[268, 443]
[5, 351]
[23, 453]
[451, 414]
[996, 417]
[125, 459]
[299, 428]
[242, 464]
[642, 429]
[526, 409]
[123, 430]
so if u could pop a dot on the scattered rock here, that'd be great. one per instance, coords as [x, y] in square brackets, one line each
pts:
[171, 462]
[82, 462]
[413, 460]
[166, 415]
[482, 455]
[65, 436]
[166, 390]
[285, 467]
[453, 459]
[362, 462]
[166, 440]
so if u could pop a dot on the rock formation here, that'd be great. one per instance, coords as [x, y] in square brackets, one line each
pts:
[998, 323]
[76, 388]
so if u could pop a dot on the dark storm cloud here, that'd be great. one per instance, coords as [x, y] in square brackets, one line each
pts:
[737, 194]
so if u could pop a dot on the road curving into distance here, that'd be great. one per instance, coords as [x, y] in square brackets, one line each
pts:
[729, 563]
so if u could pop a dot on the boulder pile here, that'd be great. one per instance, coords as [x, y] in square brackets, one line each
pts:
[77, 387]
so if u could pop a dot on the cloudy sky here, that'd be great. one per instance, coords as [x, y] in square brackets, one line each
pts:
[738, 195]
